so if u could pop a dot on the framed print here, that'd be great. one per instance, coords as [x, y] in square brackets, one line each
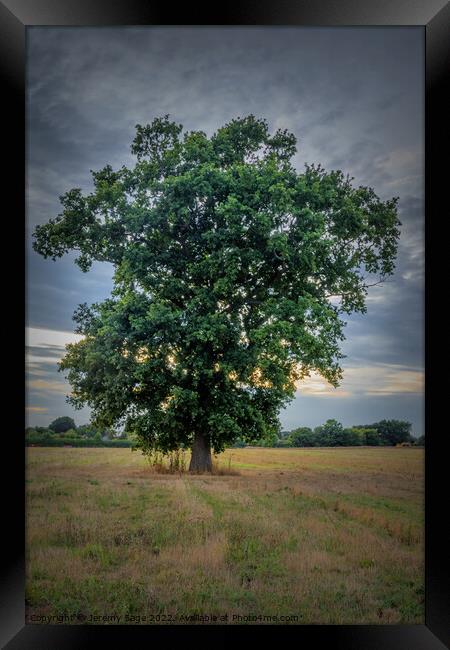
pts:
[230, 228]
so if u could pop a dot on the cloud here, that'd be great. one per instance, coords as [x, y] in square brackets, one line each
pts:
[36, 409]
[49, 339]
[399, 381]
[378, 379]
[316, 386]
[45, 348]
[41, 385]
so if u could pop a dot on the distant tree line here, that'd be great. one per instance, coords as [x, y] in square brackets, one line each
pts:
[63, 432]
[333, 434]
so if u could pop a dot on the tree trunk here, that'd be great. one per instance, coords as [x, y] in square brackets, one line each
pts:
[201, 454]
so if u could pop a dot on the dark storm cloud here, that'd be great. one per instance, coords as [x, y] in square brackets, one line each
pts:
[352, 96]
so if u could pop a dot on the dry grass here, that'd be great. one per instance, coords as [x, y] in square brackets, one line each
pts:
[330, 536]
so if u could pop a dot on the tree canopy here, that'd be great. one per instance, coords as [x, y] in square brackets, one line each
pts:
[392, 432]
[62, 424]
[231, 275]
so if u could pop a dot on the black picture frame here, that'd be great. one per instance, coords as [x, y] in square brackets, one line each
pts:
[434, 17]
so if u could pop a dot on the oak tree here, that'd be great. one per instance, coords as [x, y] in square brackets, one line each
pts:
[232, 273]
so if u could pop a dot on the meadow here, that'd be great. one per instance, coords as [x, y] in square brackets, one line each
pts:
[288, 536]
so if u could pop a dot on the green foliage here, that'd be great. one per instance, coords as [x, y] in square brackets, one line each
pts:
[330, 434]
[392, 432]
[420, 441]
[270, 441]
[44, 430]
[87, 430]
[84, 436]
[370, 436]
[92, 431]
[225, 261]
[352, 437]
[61, 425]
[32, 435]
[61, 441]
[71, 433]
[302, 437]
[333, 434]
[283, 443]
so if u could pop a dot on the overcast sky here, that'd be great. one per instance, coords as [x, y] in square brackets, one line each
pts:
[354, 98]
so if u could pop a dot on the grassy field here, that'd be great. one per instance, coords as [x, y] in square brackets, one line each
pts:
[326, 536]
